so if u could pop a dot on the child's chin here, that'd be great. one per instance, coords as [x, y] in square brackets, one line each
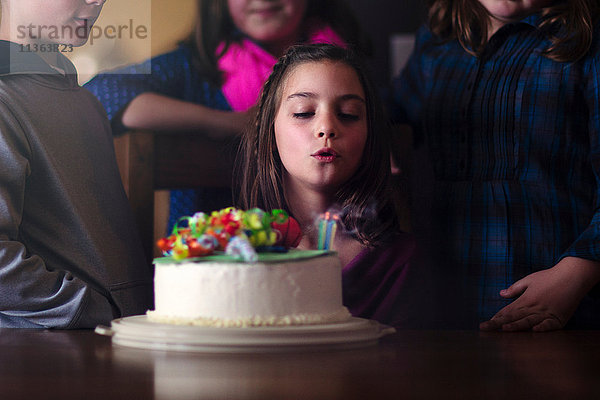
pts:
[77, 42]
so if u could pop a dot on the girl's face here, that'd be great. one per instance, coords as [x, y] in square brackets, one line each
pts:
[321, 125]
[505, 11]
[270, 22]
[63, 21]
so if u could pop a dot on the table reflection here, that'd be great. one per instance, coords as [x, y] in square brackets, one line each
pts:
[179, 375]
[557, 365]
[408, 364]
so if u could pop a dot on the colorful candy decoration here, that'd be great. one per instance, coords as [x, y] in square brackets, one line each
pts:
[240, 248]
[236, 232]
[288, 232]
[257, 225]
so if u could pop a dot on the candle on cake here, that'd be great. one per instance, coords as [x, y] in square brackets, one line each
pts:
[327, 225]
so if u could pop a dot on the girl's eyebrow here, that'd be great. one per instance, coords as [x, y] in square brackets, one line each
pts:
[301, 94]
[349, 96]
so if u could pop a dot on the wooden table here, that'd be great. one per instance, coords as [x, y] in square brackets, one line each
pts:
[406, 365]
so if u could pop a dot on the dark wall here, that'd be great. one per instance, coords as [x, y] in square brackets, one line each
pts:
[382, 18]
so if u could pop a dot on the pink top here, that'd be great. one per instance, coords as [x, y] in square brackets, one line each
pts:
[246, 66]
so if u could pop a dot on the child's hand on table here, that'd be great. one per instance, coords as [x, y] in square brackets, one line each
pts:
[546, 300]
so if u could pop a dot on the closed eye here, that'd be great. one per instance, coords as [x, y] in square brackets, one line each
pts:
[348, 117]
[303, 115]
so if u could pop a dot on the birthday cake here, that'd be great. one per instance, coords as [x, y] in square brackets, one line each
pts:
[237, 268]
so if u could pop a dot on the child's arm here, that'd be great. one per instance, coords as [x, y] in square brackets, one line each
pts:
[546, 299]
[165, 93]
[33, 295]
[158, 112]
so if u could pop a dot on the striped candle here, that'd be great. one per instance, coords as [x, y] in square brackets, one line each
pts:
[327, 228]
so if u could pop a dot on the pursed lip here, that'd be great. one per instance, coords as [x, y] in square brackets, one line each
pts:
[325, 154]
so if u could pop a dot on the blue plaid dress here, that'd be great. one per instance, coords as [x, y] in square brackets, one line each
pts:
[511, 182]
[171, 74]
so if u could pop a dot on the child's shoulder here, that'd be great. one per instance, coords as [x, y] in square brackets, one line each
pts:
[399, 243]
[395, 252]
[170, 63]
[19, 59]
[425, 35]
[427, 43]
[182, 53]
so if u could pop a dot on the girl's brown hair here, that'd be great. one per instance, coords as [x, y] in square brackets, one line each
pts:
[214, 26]
[367, 209]
[569, 25]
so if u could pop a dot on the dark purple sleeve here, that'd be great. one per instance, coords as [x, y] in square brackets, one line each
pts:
[387, 284]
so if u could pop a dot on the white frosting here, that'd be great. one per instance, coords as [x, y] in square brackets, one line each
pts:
[306, 291]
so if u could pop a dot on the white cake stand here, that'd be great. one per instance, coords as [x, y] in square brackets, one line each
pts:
[137, 331]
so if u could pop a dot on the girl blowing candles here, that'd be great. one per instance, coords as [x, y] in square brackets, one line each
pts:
[319, 142]
[506, 94]
[213, 78]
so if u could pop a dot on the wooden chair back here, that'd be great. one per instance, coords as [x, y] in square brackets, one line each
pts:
[150, 161]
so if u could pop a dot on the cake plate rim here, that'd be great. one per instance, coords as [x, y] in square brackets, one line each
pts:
[139, 332]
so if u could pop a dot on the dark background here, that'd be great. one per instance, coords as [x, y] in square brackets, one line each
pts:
[381, 19]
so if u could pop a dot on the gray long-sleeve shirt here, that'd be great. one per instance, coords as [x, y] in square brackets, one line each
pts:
[70, 256]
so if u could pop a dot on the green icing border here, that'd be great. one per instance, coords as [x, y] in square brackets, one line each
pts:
[290, 255]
